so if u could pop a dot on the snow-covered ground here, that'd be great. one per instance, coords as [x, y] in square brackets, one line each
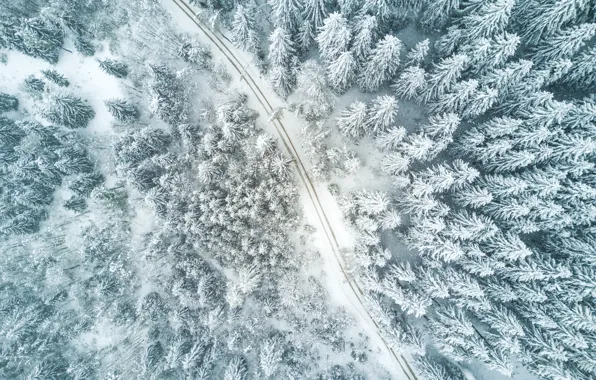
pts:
[323, 213]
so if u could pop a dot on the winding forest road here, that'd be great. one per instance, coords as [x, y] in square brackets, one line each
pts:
[352, 291]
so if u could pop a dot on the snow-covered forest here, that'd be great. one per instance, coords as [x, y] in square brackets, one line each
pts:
[298, 189]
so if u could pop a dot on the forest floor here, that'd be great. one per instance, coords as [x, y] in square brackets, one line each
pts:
[319, 206]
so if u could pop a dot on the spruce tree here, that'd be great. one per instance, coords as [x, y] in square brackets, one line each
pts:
[342, 71]
[68, 110]
[334, 37]
[113, 67]
[382, 64]
[314, 11]
[365, 34]
[352, 120]
[122, 110]
[56, 77]
[8, 102]
[243, 28]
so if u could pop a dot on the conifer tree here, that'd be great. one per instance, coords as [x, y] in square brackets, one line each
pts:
[8, 102]
[410, 83]
[365, 34]
[342, 71]
[437, 16]
[545, 19]
[122, 110]
[315, 99]
[382, 9]
[281, 48]
[306, 36]
[390, 139]
[583, 72]
[349, 7]
[352, 120]
[38, 37]
[68, 110]
[381, 114]
[115, 68]
[56, 77]
[315, 11]
[488, 20]
[282, 56]
[444, 75]
[382, 64]
[334, 37]
[418, 53]
[285, 13]
[564, 44]
[243, 28]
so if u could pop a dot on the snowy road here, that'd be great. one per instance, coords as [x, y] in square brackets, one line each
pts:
[318, 202]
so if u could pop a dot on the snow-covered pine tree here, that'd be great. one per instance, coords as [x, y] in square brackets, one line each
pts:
[488, 20]
[122, 110]
[282, 58]
[352, 120]
[418, 53]
[283, 80]
[382, 9]
[410, 83]
[382, 64]
[334, 36]
[538, 20]
[437, 16]
[365, 34]
[457, 99]
[37, 37]
[281, 48]
[56, 77]
[381, 114]
[444, 75]
[349, 7]
[244, 33]
[285, 13]
[113, 67]
[315, 11]
[68, 110]
[341, 71]
[8, 102]
[583, 72]
[315, 100]
[306, 36]
[563, 44]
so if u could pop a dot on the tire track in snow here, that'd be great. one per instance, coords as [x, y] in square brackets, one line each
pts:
[307, 182]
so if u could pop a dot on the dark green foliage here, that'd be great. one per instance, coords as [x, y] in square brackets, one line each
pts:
[169, 100]
[84, 46]
[10, 133]
[75, 204]
[138, 146]
[68, 110]
[72, 160]
[152, 307]
[122, 110]
[56, 77]
[84, 184]
[8, 102]
[37, 37]
[114, 197]
[33, 84]
[115, 68]
[145, 176]
[153, 354]
[33, 161]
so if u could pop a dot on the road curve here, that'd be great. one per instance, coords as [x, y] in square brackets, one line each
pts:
[222, 46]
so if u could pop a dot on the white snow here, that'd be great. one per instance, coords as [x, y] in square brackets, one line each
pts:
[336, 281]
